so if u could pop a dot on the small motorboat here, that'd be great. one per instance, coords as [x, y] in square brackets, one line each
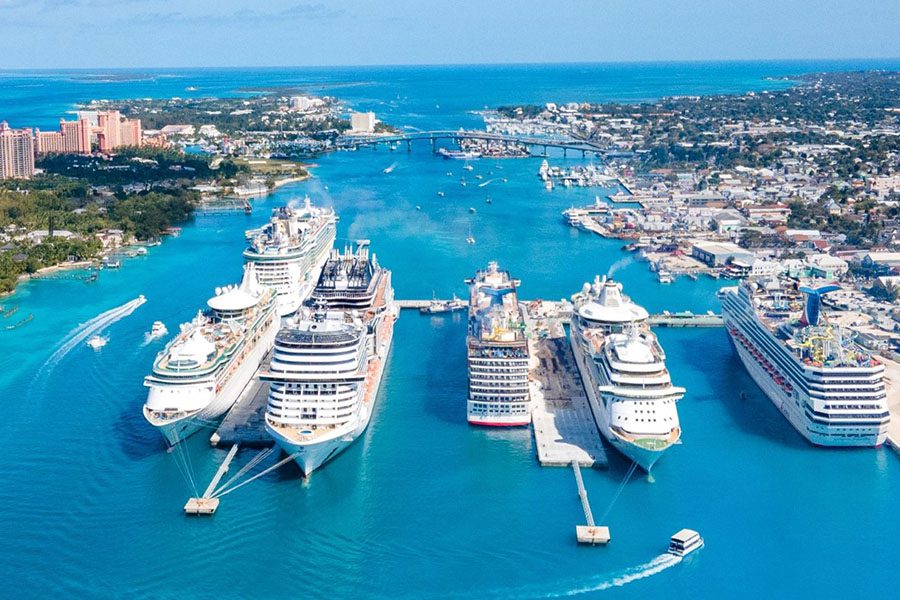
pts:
[684, 542]
[157, 330]
[96, 342]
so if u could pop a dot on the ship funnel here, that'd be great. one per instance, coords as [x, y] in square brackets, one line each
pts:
[814, 296]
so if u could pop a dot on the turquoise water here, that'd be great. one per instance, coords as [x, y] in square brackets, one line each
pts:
[422, 505]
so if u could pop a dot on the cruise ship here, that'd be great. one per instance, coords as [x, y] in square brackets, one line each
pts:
[624, 372]
[497, 352]
[830, 389]
[202, 371]
[290, 249]
[328, 360]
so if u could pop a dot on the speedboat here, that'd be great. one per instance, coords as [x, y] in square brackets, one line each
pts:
[96, 342]
[684, 542]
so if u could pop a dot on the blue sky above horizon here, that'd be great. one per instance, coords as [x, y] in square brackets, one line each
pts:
[197, 33]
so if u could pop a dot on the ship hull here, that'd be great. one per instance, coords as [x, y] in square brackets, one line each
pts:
[644, 457]
[794, 414]
[311, 456]
[177, 430]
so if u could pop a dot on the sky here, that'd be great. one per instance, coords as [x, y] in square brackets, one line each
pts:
[219, 33]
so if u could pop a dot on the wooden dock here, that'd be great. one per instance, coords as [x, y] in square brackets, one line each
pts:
[564, 429]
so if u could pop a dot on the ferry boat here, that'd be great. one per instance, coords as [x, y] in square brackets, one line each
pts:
[459, 154]
[497, 351]
[328, 361]
[443, 306]
[202, 371]
[684, 542]
[828, 387]
[289, 251]
[624, 373]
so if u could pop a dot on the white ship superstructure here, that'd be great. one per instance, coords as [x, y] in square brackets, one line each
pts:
[328, 362]
[202, 371]
[624, 373]
[290, 249]
[830, 389]
[497, 352]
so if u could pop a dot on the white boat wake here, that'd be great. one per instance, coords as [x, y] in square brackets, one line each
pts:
[81, 333]
[484, 183]
[657, 565]
[390, 168]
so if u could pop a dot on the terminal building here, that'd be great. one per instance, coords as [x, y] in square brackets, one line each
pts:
[718, 254]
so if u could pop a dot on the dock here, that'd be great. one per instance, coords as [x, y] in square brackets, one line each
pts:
[245, 422]
[563, 311]
[590, 533]
[564, 429]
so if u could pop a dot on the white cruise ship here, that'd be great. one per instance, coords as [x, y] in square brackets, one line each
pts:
[327, 363]
[202, 371]
[830, 389]
[497, 352]
[289, 251]
[623, 369]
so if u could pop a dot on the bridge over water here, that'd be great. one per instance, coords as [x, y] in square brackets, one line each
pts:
[531, 143]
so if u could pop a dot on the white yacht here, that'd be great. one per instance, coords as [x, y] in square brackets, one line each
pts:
[290, 249]
[624, 373]
[202, 371]
[328, 362]
[497, 352]
[828, 387]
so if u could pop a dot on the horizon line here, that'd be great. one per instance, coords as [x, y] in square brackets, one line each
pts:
[466, 64]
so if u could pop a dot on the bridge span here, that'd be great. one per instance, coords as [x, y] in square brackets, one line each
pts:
[531, 143]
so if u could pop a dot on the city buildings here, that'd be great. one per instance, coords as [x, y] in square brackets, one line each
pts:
[16, 152]
[362, 122]
[73, 137]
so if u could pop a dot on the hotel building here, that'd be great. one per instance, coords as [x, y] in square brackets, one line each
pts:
[16, 152]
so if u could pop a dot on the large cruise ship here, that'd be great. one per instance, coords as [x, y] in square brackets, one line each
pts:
[328, 361]
[202, 371]
[830, 388]
[290, 249]
[624, 372]
[497, 352]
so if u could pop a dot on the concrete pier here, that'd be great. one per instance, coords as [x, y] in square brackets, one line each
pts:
[245, 422]
[590, 533]
[564, 429]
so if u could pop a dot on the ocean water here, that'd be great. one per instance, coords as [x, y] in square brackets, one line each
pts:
[422, 505]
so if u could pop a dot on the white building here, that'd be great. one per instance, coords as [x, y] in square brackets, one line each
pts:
[362, 122]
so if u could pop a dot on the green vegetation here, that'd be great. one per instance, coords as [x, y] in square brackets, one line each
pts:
[85, 195]
[139, 165]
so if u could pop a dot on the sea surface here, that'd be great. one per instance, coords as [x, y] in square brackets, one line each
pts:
[422, 505]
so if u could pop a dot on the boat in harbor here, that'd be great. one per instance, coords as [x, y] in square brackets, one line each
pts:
[684, 542]
[497, 352]
[664, 276]
[290, 249]
[202, 371]
[444, 306]
[157, 330]
[328, 360]
[459, 154]
[623, 368]
[96, 342]
[831, 389]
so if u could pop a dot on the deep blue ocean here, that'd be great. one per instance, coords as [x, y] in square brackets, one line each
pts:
[422, 505]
